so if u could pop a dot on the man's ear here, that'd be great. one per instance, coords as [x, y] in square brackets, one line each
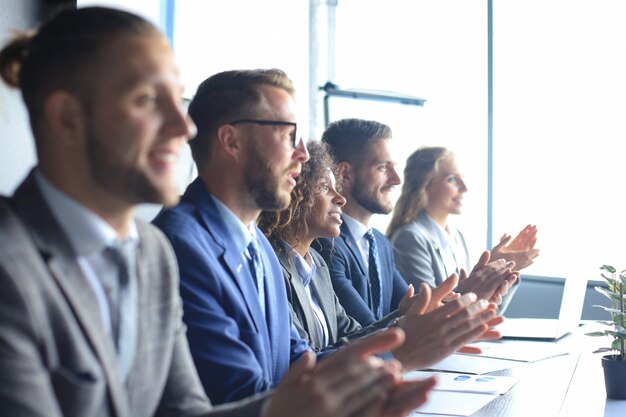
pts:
[64, 116]
[345, 174]
[229, 140]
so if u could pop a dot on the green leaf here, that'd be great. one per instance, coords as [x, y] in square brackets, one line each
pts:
[604, 292]
[616, 335]
[596, 334]
[604, 349]
[608, 268]
[609, 309]
[608, 294]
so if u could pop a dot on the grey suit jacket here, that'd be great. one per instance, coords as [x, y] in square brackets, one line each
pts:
[56, 359]
[418, 256]
[341, 327]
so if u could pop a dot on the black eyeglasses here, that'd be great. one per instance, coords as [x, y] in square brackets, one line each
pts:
[295, 139]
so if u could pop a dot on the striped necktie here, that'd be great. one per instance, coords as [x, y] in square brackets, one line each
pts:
[374, 273]
[256, 266]
[123, 303]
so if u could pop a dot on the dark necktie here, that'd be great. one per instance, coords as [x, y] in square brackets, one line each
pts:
[256, 266]
[374, 273]
[123, 303]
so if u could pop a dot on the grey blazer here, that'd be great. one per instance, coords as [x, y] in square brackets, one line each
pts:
[341, 326]
[418, 256]
[56, 358]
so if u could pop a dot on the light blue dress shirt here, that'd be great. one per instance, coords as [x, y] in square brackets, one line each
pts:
[89, 236]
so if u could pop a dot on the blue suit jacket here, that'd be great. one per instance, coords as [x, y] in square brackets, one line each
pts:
[236, 351]
[351, 280]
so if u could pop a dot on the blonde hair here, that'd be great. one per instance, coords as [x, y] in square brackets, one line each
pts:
[421, 167]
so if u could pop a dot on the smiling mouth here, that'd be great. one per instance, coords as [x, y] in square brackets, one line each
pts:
[336, 215]
[165, 158]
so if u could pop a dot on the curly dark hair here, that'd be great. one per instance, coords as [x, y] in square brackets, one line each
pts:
[291, 223]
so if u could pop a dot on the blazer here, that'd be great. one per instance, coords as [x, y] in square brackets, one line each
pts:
[418, 255]
[237, 351]
[351, 280]
[56, 357]
[341, 327]
[419, 259]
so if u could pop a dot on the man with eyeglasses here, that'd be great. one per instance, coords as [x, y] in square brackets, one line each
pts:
[240, 332]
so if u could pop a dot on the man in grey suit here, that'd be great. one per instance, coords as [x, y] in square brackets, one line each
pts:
[90, 314]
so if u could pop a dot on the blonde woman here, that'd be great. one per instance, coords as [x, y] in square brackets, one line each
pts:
[426, 247]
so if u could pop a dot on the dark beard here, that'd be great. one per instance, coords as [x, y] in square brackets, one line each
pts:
[361, 196]
[112, 175]
[262, 184]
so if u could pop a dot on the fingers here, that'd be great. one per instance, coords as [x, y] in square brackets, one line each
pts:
[490, 335]
[450, 297]
[371, 345]
[444, 289]
[410, 291]
[420, 302]
[453, 307]
[473, 350]
[504, 240]
[484, 258]
[407, 300]
[301, 368]
[495, 321]
[473, 329]
[496, 298]
[462, 275]
[371, 398]
[408, 396]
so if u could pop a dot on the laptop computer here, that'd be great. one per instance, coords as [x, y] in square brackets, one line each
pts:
[550, 329]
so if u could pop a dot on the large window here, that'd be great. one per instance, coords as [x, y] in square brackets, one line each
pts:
[558, 120]
[430, 49]
[559, 127]
[559, 82]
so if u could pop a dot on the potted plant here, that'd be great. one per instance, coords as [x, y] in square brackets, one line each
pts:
[614, 362]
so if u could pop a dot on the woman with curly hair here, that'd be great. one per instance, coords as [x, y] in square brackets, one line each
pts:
[314, 212]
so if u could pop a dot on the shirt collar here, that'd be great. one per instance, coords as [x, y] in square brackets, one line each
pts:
[87, 232]
[240, 234]
[443, 237]
[305, 270]
[356, 228]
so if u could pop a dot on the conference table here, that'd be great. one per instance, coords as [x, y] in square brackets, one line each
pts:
[570, 385]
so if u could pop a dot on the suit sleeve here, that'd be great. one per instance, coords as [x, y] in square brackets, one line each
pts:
[340, 275]
[26, 387]
[413, 258]
[183, 394]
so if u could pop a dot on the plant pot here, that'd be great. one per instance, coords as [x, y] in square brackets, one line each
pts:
[614, 376]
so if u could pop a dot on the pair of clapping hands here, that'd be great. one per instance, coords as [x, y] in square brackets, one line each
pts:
[355, 382]
[492, 280]
[434, 324]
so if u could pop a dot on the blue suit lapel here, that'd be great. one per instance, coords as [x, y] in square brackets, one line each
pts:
[272, 282]
[232, 260]
[353, 247]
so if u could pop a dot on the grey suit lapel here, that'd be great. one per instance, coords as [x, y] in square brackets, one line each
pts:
[326, 298]
[302, 299]
[61, 261]
[423, 222]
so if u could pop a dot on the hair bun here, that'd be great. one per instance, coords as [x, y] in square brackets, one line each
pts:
[12, 55]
